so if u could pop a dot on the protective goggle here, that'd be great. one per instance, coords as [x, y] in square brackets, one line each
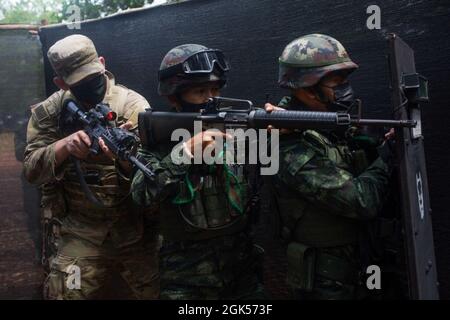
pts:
[200, 63]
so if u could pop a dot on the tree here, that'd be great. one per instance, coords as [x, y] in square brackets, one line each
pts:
[54, 11]
[99, 8]
[30, 11]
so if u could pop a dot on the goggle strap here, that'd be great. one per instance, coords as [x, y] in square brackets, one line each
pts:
[212, 57]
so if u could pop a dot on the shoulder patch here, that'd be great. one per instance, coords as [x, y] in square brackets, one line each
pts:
[40, 113]
[49, 108]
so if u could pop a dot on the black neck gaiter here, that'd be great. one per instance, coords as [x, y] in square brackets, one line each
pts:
[90, 92]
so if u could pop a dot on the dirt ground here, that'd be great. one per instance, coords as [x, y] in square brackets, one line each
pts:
[20, 273]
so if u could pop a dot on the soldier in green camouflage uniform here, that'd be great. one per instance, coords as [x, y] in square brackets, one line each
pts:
[329, 184]
[207, 251]
[98, 240]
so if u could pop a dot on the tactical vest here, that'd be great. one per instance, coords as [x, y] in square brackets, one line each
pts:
[311, 231]
[306, 223]
[103, 179]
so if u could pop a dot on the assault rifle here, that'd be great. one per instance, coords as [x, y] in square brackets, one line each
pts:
[97, 124]
[156, 127]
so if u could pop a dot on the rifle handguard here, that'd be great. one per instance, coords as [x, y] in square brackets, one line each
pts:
[292, 119]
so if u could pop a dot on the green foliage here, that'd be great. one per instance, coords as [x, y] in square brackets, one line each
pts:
[54, 11]
[99, 8]
[30, 11]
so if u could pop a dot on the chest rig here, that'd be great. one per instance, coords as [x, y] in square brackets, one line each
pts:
[101, 176]
[212, 197]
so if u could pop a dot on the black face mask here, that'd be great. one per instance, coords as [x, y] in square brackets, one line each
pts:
[90, 92]
[344, 94]
[344, 97]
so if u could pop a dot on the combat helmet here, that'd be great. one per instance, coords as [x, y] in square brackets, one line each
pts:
[189, 64]
[308, 59]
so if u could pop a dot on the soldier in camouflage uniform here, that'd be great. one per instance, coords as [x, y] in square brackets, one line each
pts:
[329, 183]
[207, 251]
[119, 237]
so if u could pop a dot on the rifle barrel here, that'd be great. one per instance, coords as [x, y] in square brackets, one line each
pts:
[294, 119]
[385, 123]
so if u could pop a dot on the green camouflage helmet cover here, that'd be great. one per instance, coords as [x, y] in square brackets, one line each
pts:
[175, 84]
[308, 59]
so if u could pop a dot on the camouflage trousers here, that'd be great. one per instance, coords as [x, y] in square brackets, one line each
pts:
[75, 276]
[228, 267]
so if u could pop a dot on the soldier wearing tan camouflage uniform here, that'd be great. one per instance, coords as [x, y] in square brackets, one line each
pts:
[98, 240]
[330, 183]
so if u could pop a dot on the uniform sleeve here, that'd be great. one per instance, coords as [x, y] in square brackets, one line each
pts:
[318, 180]
[39, 157]
[168, 173]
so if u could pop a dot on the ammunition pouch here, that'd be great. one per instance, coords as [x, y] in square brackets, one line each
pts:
[301, 261]
[306, 264]
[105, 184]
[337, 269]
